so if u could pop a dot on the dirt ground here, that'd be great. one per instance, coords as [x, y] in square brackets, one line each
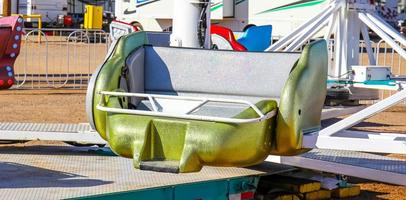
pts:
[51, 106]
[68, 106]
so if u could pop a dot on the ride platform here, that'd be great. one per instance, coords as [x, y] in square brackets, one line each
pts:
[62, 171]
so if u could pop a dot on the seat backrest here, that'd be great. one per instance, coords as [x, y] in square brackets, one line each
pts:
[228, 35]
[5, 34]
[10, 40]
[221, 73]
[257, 38]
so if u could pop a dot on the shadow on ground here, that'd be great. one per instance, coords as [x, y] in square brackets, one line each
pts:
[36, 177]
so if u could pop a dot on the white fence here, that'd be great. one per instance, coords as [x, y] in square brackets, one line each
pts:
[59, 58]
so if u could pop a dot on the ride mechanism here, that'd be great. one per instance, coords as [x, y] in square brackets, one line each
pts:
[345, 21]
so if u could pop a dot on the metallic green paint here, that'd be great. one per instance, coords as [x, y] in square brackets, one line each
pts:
[190, 144]
[302, 100]
[298, 4]
[108, 78]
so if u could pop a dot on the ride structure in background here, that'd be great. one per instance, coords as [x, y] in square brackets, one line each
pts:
[284, 15]
[10, 41]
[153, 15]
[254, 38]
[346, 21]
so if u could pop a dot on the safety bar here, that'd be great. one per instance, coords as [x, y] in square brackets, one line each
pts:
[187, 115]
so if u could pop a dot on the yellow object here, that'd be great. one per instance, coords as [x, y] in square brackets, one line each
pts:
[287, 197]
[294, 184]
[321, 194]
[351, 191]
[93, 17]
[38, 17]
[6, 8]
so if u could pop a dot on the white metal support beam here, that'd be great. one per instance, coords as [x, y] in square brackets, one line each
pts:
[364, 18]
[90, 137]
[356, 164]
[283, 42]
[387, 28]
[357, 141]
[309, 32]
[365, 35]
[365, 113]
[331, 26]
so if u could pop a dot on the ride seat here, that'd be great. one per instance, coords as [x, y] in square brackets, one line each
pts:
[224, 38]
[257, 38]
[146, 102]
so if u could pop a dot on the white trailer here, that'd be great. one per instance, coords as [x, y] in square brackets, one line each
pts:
[284, 15]
[49, 9]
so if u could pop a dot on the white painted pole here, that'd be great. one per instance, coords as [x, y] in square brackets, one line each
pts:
[331, 26]
[289, 38]
[338, 45]
[365, 35]
[353, 30]
[309, 33]
[186, 18]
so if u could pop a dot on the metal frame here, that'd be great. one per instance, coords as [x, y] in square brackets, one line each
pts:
[87, 137]
[361, 165]
[78, 133]
[347, 20]
[186, 115]
[335, 136]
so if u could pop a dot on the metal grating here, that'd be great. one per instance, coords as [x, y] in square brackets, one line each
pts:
[359, 159]
[56, 172]
[45, 127]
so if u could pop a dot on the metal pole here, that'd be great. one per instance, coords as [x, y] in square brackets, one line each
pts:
[6, 8]
[309, 32]
[365, 35]
[289, 38]
[187, 18]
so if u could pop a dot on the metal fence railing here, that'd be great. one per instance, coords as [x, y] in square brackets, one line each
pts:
[66, 58]
[59, 58]
[387, 56]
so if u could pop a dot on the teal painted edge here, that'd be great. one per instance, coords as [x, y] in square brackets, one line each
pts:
[307, 4]
[217, 6]
[220, 189]
[375, 82]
